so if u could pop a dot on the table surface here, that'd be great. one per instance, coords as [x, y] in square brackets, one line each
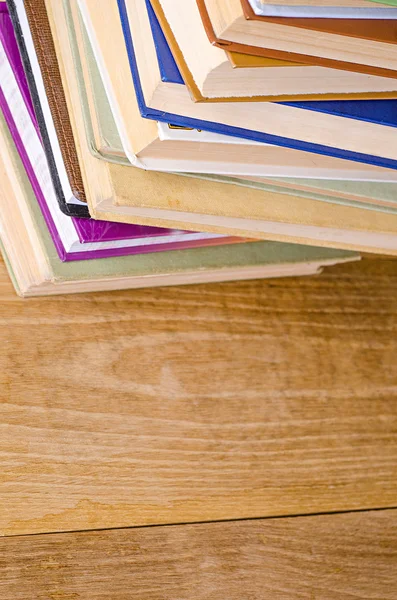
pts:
[224, 441]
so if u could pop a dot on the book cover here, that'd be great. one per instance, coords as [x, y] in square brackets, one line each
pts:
[247, 261]
[96, 237]
[332, 77]
[144, 197]
[305, 165]
[380, 30]
[363, 10]
[388, 2]
[44, 82]
[284, 55]
[102, 239]
[381, 112]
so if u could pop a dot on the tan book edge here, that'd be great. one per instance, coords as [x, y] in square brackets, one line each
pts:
[334, 39]
[198, 96]
[131, 195]
[304, 187]
[286, 54]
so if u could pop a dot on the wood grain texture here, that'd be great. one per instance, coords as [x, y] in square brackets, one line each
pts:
[332, 557]
[199, 403]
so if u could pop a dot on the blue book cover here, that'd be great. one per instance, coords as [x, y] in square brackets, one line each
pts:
[381, 112]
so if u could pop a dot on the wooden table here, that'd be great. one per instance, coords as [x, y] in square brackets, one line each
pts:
[231, 442]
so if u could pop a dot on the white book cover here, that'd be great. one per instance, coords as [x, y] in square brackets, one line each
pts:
[262, 8]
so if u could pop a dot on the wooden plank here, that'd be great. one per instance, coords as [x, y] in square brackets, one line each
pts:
[327, 557]
[199, 403]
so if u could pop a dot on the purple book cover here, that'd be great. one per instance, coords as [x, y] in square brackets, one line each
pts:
[88, 230]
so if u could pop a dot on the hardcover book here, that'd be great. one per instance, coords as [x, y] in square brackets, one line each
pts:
[364, 194]
[210, 77]
[271, 160]
[36, 269]
[74, 238]
[41, 68]
[278, 41]
[382, 30]
[355, 130]
[120, 193]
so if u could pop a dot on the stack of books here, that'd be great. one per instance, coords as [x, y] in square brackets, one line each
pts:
[161, 142]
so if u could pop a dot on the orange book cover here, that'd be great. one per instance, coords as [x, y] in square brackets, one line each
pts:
[288, 56]
[379, 30]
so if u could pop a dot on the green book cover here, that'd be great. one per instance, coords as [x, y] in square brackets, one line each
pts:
[388, 2]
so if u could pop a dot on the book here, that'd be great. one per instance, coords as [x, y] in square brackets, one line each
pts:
[74, 238]
[164, 199]
[210, 14]
[369, 43]
[280, 161]
[31, 28]
[76, 166]
[330, 9]
[356, 130]
[36, 269]
[300, 167]
[209, 75]
[364, 194]
[267, 160]
[380, 31]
